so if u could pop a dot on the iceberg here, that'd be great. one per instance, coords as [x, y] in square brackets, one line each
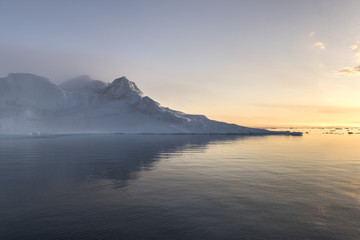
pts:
[33, 104]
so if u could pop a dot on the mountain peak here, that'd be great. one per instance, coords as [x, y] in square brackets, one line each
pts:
[27, 77]
[83, 77]
[123, 78]
[124, 83]
[25, 89]
[81, 83]
[121, 87]
[22, 75]
[27, 81]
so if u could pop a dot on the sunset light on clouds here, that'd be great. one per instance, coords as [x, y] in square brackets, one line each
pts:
[320, 45]
[353, 70]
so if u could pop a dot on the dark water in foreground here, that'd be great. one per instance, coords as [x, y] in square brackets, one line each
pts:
[180, 187]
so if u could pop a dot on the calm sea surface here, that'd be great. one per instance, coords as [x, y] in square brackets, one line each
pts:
[180, 187]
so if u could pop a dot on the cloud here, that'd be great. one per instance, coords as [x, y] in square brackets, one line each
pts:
[320, 45]
[355, 46]
[350, 70]
[317, 44]
[353, 70]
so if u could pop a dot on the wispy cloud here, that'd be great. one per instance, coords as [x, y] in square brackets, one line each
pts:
[312, 34]
[350, 70]
[353, 70]
[320, 45]
[355, 46]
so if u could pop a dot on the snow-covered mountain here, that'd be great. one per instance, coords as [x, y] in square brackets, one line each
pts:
[32, 104]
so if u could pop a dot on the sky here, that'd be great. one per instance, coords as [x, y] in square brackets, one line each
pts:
[255, 63]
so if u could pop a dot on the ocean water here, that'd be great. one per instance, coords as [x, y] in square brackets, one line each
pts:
[180, 187]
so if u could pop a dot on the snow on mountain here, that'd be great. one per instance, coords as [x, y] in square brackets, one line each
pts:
[30, 90]
[30, 103]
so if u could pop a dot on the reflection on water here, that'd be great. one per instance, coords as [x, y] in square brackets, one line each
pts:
[113, 157]
[180, 187]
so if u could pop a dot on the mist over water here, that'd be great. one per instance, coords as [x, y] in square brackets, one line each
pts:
[180, 187]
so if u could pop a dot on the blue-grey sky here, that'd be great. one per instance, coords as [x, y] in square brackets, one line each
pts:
[254, 62]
